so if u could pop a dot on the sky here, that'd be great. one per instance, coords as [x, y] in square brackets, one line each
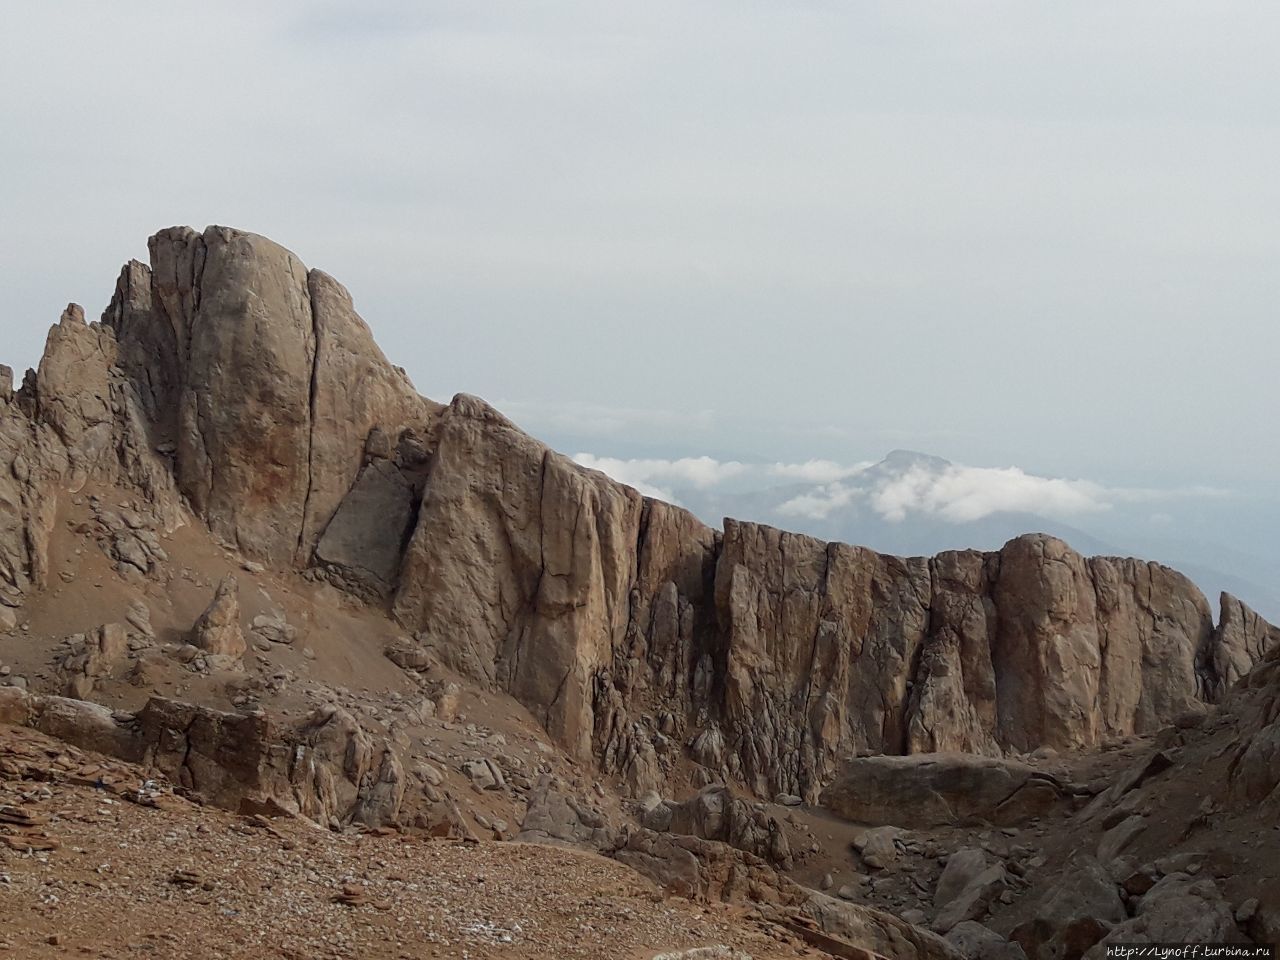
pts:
[1025, 236]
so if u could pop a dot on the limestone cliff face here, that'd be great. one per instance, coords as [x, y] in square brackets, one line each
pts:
[229, 385]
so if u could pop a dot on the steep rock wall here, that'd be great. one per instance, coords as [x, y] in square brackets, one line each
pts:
[230, 384]
[633, 631]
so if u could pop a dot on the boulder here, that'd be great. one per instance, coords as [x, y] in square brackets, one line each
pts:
[1115, 840]
[273, 629]
[408, 655]
[879, 846]
[878, 931]
[973, 900]
[1179, 909]
[961, 869]
[483, 774]
[556, 817]
[217, 631]
[976, 942]
[1074, 915]
[928, 790]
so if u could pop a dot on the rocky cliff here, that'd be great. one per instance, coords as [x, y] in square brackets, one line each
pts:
[230, 386]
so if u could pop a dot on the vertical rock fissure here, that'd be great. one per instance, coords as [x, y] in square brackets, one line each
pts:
[303, 552]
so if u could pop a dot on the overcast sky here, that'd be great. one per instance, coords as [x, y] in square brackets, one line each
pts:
[1026, 234]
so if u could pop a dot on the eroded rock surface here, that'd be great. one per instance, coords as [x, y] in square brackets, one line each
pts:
[925, 790]
[229, 384]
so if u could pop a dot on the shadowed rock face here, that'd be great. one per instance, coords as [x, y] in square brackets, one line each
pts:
[230, 385]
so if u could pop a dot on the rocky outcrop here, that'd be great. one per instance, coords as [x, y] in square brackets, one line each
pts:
[1178, 909]
[1075, 915]
[89, 726]
[705, 870]
[927, 790]
[714, 813]
[217, 631]
[772, 655]
[324, 766]
[556, 817]
[520, 567]
[1254, 770]
[1242, 639]
[230, 384]
[93, 656]
[877, 930]
[261, 380]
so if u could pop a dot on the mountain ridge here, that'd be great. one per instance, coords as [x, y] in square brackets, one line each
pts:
[238, 388]
[239, 552]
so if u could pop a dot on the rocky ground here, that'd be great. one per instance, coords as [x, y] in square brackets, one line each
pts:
[107, 871]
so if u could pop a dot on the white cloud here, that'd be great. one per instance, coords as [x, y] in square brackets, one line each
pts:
[816, 471]
[962, 494]
[822, 502]
[949, 492]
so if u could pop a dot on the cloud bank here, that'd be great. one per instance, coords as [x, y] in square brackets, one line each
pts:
[950, 492]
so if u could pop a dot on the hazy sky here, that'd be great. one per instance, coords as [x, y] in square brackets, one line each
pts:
[1009, 233]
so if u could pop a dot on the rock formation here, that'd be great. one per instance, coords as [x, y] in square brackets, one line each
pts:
[1243, 638]
[944, 788]
[229, 385]
[218, 632]
[322, 767]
